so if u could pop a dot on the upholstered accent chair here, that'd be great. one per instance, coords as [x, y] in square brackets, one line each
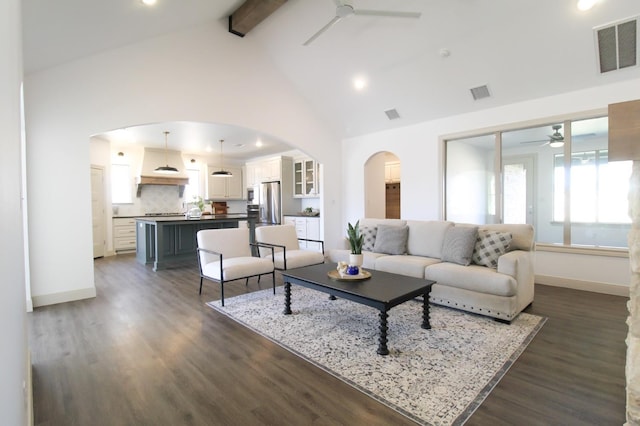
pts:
[287, 252]
[226, 255]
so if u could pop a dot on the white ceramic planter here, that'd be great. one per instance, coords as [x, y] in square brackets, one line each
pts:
[355, 259]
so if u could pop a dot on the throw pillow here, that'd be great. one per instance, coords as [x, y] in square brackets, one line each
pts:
[490, 245]
[391, 239]
[369, 240]
[459, 242]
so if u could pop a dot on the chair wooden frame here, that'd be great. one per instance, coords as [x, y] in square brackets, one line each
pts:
[222, 280]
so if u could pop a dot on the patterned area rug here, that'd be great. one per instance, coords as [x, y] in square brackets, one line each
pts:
[434, 377]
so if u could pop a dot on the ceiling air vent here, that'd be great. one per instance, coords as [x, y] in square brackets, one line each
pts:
[617, 45]
[392, 114]
[480, 92]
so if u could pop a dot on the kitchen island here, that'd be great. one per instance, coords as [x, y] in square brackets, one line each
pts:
[168, 240]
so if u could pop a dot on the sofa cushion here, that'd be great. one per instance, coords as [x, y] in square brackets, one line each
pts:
[459, 242]
[473, 277]
[490, 245]
[412, 266]
[391, 239]
[369, 234]
[426, 237]
[368, 257]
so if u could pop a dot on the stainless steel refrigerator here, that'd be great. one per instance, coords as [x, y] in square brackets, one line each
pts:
[270, 203]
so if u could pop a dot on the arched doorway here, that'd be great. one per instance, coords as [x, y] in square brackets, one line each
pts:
[382, 186]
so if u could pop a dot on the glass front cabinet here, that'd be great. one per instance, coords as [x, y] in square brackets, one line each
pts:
[305, 178]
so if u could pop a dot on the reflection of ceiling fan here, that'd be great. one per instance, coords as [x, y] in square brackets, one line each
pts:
[344, 10]
[556, 140]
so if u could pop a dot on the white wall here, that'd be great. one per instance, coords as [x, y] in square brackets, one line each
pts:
[204, 74]
[13, 349]
[420, 152]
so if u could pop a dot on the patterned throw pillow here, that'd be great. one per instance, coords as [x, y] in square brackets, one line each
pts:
[369, 240]
[490, 245]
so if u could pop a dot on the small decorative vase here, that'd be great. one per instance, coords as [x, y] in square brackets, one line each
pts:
[355, 259]
[353, 270]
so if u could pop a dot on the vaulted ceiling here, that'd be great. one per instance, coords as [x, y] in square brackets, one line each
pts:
[423, 68]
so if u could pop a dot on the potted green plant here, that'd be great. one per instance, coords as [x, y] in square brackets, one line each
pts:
[355, 241]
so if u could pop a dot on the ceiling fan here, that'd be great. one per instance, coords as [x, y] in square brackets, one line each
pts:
[344, 10]
[556, 140]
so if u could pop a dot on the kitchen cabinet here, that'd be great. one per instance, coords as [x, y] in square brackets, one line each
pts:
[225, 188]
[163, 241]
[392, 172]
[305, 178]
[264, 171]
[272, 170]
[306, 227]
[124, 234]
[251, 169]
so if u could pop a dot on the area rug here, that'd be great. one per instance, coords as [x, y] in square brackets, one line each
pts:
[434, 377]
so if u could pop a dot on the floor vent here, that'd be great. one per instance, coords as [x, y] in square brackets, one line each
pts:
[617, 45]
[392, 114]
[480, 92]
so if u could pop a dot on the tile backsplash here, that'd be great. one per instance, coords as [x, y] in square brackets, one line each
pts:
[153, 199]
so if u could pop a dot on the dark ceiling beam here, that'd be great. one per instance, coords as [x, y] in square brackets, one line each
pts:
[250, 14]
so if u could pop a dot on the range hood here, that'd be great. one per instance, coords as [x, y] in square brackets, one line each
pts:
[159, 157]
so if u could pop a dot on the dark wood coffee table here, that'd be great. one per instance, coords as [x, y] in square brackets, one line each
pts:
[382, 291]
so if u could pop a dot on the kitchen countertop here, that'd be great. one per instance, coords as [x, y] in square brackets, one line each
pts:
[182, 218]
[301, 215]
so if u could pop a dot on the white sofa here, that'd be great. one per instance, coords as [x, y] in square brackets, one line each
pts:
[434, 252]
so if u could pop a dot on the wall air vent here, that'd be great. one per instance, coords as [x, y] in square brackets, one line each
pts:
[480, 92]
[392, 114]
[617, 45]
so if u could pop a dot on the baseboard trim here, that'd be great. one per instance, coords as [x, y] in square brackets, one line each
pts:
[66, 296]
[593, 286]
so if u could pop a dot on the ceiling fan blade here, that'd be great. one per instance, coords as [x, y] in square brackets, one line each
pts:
[538, 141]
[389, 13]
[323, 29]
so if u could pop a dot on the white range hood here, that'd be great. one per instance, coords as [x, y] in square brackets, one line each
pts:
[154, 158]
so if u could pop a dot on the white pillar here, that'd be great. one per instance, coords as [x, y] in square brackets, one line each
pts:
[13, 334]
[633, 321]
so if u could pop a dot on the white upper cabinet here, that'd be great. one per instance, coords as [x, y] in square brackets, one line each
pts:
[305, 178]
[392, 172]
[271, 170]
[264, 171]
[225, 188]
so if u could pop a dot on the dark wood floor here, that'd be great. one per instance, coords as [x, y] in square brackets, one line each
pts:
[147, 351]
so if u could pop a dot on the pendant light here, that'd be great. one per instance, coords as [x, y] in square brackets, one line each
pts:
[166, 170]
[222, 172]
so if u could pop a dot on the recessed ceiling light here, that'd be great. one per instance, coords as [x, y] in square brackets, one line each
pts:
[149, 2]
[359, 83]
[258, 143]
[586, 4]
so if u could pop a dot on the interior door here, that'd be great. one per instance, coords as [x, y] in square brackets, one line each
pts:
[392, 200]
[97, 210]
[518, 188]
